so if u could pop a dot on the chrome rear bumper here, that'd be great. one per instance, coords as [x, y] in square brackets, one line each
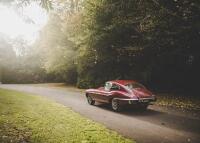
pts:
[136, 101]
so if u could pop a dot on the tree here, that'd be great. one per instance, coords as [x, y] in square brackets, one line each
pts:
[92, 41]
[7, 58]
[152, 41]
[59, 52]
[47, 4]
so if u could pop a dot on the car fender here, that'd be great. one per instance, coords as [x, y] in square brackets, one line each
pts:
[117, 94]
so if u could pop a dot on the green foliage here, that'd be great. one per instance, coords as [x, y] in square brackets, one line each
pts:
[151, 41]
[46, 4]
[59, 53]
[28, 118]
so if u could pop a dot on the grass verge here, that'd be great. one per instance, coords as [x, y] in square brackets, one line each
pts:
[28, 118]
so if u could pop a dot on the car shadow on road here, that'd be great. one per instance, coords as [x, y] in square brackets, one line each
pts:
[131, 111]
[160, 118]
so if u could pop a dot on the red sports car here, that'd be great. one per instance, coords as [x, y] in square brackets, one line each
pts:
[121, 92]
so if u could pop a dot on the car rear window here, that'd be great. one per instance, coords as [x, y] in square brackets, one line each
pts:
[134, 85]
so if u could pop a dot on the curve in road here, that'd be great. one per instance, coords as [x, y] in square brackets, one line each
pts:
[156, 125]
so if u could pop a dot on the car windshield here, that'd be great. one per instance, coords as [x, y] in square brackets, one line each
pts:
[134, 85]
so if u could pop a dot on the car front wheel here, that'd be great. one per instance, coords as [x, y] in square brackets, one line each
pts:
[90, 100]
[115, 105]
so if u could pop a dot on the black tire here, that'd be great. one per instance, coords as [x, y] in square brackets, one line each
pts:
[115, 105]
[90, 100]
[144, 106]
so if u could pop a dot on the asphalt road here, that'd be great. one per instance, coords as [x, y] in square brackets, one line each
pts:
[156, 125]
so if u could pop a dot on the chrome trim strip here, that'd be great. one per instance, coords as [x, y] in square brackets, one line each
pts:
[147, 98]
[125, 99]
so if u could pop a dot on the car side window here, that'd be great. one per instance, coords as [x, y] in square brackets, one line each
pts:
[115, 87]
[107, 86]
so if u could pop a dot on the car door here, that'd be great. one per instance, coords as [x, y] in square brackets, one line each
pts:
[114, 92]
[109, 92]
[102, 95]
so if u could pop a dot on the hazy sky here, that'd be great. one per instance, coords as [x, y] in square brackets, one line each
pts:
[25, 23]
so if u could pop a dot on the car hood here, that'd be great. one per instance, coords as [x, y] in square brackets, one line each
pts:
[142, 93]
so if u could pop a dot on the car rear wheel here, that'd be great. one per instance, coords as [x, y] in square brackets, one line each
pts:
[144, 106]
[115, 105]
[90, 100]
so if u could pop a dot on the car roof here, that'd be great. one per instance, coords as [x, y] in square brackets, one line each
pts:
[123, 82]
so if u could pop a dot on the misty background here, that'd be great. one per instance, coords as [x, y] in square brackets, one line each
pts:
[87, 42]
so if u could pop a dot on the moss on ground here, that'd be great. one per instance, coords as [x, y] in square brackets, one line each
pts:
[178, 101]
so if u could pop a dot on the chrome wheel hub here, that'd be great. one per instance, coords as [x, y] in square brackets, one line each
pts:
[114, 104]
[89, 99]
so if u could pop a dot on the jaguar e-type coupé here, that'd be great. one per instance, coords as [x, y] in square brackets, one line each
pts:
[120, 93]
